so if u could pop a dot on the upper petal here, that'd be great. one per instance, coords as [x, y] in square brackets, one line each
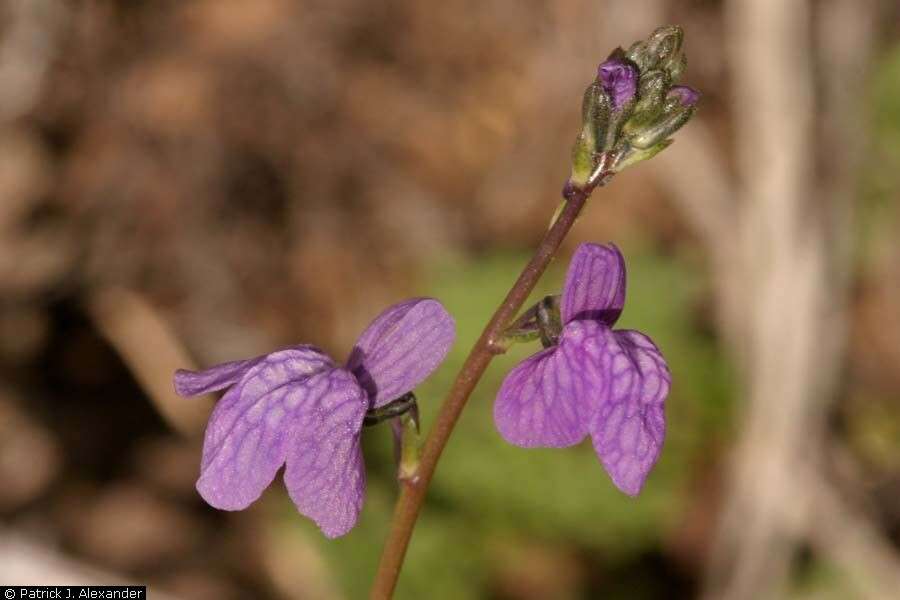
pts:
[247, 435]
[595, 284]
[401, 347]
[304, 358]
[325, 475]
[628, 427]
[193, 383]
[545, 399]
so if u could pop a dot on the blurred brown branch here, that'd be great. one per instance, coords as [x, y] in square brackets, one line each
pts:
[152, 352]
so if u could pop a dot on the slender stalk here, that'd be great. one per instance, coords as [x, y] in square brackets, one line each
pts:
[412, 493]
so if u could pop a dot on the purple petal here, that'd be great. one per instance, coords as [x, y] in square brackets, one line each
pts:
[325, 475]
[595, 284]
[629, 425]
[247, 437]
[619, 79]
[401, 347]
[218, 377]
[544, 401]
[193, 383]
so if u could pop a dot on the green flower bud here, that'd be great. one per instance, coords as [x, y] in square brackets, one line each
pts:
[631, 108]
[665, 43]
[639, 54]
[616, 123]
[659, 130]
[595, 111]
[675, 66]
[652, 93]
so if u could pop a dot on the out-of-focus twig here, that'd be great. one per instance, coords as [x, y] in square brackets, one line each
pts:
[792, 249]
[782, 262]
[845, 536]
[152, 352]
[26, 49]
[706, 200]
[845, 30]
[708, 205]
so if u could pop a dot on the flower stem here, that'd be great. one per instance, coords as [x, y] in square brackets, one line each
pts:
[412, 492]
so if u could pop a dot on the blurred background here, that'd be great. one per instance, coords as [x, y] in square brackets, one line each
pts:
[188, 182]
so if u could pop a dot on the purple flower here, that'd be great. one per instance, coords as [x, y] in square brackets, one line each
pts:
[687, 95]
[297, 407]
[619, 79]
[595, 381]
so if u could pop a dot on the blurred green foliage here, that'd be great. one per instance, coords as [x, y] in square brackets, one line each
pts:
[879, 181]
[873, 422]
[886, 105]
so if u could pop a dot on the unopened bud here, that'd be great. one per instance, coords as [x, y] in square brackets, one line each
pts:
[685, 95]
[658, 131]
[594, 119]
[665, 43]
[632, 107]
[639, 54]
[595, 113]
[619, 79]
[653, 88]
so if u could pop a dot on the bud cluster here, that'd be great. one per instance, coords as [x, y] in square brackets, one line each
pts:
[633, 106]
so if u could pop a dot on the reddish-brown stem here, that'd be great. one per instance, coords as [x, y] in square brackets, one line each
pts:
[412, 492]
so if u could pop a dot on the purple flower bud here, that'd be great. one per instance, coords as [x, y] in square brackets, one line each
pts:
[619, 79]
[688, 96]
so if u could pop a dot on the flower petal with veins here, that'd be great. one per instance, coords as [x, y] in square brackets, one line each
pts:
[541, 401]
[401, 347]
[247, 436]
[595, 285]
[628, 428]
[325, 474]
[213, 379]
[221, 376]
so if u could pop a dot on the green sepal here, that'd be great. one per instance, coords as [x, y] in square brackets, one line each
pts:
[636, 155]
[406, 444]
[675, 66]
[582, 159]
[616, 123]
